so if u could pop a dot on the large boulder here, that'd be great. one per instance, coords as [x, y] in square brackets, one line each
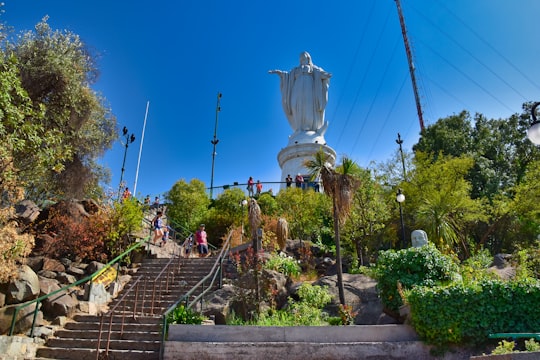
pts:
[23, 288]
[239, 297]
[361, 294]
[63, 303]
[24, 320]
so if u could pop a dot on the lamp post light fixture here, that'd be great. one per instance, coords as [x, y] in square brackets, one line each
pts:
[400, 197]
[243, 204]
[129, 140]
[534, 131]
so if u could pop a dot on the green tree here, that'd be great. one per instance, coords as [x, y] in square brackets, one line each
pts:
[125, 218]
[438, 196]
[56, 70]
[268, 204]
[306, 211]
[188, 203]
[500, 151]
[20, 138]
[525, 210]
[369, 213]
[340, 187]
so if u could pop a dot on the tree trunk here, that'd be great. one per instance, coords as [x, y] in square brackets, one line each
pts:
[338, 255]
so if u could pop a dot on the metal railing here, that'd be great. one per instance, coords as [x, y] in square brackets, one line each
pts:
[89, 278]
[156, 290]
[205, 285]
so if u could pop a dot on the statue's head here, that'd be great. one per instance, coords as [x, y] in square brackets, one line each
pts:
[305, 58]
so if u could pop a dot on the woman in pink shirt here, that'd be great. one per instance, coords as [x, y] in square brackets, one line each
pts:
[202, 243]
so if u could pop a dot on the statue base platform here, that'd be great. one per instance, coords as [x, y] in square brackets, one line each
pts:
[292, 159]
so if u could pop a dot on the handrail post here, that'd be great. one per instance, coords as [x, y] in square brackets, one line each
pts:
[34, 318]
[99, 336]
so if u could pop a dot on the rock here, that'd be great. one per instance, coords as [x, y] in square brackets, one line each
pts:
[47, 286]
[47, 274]
[501, 260]
[25, 287]
[53, 265]
[61, 304]
[218, 304]
[65, 278]
[27, 211]
[35, 263]
[60, 321]
[360, 292]
[94, 266]
[73, 270]
[24, 320]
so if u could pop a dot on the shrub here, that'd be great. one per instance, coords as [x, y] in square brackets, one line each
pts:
[423, 266]
[287, 265]
[305, 312]
[504, 347]
[13, 247]
[531, 345]
[468, 313]
[183, 315]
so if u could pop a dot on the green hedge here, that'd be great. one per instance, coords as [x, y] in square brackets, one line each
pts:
[467, 314]
[423, 266]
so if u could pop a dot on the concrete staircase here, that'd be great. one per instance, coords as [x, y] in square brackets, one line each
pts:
[132, 327]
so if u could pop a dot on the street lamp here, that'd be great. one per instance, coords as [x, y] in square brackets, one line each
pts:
[129, 140]
[400, 197]
[534, 131]
[243, 204]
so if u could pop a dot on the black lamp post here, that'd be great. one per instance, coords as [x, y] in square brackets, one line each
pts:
[534, 131]
[129, 140]
[400, 197]
[214, 142]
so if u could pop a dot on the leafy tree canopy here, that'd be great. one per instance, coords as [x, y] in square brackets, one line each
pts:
[188, 203]
[56, 71]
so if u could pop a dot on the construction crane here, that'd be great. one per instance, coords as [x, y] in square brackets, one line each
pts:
[411, 65]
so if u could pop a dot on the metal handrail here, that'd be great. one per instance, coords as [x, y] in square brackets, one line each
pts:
[122, 299]
[214, 272]
[78, 282]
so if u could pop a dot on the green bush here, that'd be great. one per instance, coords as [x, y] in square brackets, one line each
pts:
[305, 312]
[422, 266]
[287, 265]
[183, 315]
[468, 313]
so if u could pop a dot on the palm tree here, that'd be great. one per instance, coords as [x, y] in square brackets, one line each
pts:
[340, 186]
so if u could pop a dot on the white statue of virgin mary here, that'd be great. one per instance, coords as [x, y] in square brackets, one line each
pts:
[304, 94]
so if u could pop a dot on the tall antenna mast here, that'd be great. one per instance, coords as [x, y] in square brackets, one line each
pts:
[214, 142]
[411, 65]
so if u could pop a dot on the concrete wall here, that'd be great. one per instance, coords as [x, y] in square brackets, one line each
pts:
[298, 342]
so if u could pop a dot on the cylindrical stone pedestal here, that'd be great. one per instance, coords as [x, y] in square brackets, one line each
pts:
[292, 159]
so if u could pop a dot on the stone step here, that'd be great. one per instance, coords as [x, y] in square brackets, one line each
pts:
[117, 319]
[133, 334]
[90, 354]
[138, 345]
[88, 326]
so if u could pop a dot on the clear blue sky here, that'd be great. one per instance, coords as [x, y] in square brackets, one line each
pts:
[476, 55]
